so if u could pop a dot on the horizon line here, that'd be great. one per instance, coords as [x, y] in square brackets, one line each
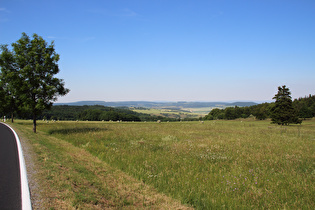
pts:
[167, 101]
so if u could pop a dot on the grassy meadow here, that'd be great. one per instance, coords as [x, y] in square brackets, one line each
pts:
[212, 165]
[172, 113]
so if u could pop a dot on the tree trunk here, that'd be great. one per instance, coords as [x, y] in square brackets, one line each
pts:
[34, 123]
[12, 117]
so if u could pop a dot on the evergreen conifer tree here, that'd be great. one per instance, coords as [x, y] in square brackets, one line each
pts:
[283, 112]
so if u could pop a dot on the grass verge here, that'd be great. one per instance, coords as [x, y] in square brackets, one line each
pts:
[71, 178]
[216, 164]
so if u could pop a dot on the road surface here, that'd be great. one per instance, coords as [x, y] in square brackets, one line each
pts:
[11, 181]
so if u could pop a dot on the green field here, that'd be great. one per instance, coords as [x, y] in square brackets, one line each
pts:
[171, 113]
[200, 111]
[212, 165]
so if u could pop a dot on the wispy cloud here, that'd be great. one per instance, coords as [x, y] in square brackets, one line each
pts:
[99, 11]
[51, 37]
[129, 13]
[56, 37]
[2, 9]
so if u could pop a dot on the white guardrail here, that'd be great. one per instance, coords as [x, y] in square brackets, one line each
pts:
[25, 192]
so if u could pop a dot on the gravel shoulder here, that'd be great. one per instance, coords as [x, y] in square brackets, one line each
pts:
[33, 174]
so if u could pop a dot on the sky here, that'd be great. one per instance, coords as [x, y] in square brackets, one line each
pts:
[172, 50]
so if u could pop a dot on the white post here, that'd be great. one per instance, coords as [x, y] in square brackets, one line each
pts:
[4, 119]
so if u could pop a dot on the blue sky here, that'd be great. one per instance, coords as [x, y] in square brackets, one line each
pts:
[173, 50]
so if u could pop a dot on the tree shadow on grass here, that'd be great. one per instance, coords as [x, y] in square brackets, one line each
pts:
[76, 130]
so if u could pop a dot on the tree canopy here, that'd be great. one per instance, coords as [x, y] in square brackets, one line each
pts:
[283, 112]
[98, 113]
[300, 108]
[27, 75]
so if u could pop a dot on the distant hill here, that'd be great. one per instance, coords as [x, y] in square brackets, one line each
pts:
[150, 104]
[243, 104]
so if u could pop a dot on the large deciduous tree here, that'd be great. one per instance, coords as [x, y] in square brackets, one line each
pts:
[29, 70]
[283, 112]
[8, 81]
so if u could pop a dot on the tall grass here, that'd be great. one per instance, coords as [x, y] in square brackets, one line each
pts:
[217, 164]
[69, 177]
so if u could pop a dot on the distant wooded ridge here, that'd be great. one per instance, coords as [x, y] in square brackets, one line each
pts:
[150, 104]
[303, 108]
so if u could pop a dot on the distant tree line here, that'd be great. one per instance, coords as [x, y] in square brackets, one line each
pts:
[304, 108]
[91, 113]
[260, 111]
[98, 113]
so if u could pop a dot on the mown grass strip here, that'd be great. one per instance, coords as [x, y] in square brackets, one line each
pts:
[72, 178]
[218, 164]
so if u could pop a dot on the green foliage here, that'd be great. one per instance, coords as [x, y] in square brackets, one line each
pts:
[215, 114]
[261, 111]
[65, 112]
[283, 112]
[299, 108]
[305, 106]
[97, 113]
[27, 73]
[8, 81]
[229, 113]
